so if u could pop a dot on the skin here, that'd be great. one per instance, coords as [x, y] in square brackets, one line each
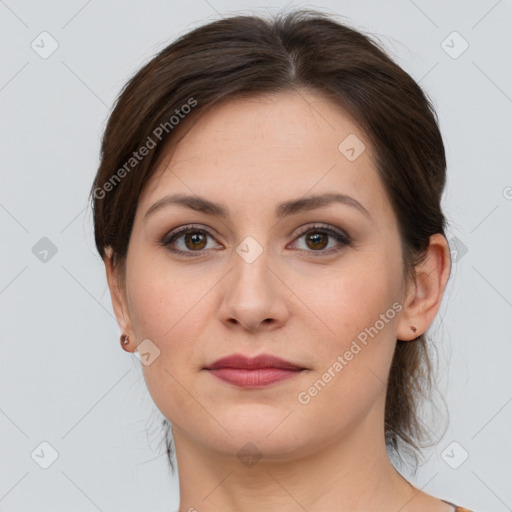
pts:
[293, 301]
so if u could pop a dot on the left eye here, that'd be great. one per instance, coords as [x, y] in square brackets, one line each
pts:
[316, 238]
[194, 240]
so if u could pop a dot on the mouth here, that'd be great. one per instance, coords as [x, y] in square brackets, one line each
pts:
[255, 372]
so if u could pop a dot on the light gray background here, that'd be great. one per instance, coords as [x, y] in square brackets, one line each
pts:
[64, 378]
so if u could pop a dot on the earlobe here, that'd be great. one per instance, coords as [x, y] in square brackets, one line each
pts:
[424, 299]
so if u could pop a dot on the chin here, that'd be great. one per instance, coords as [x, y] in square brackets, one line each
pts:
[275, 432]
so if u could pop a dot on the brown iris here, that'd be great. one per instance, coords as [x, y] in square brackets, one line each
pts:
[196, 238]
[316, 239]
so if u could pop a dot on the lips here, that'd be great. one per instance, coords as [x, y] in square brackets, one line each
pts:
[254, 372]
[252, 363]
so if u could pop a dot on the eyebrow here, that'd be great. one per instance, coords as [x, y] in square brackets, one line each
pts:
[284, 209]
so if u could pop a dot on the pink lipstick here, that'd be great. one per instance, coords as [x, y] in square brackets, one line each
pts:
[254, 372]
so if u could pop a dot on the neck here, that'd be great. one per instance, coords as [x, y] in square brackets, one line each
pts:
[350, 473]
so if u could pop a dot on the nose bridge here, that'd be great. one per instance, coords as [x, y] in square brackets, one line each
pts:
[251, 296]
[251, 267]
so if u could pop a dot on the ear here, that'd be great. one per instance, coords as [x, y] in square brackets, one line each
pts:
[118, 296]
[426, 292]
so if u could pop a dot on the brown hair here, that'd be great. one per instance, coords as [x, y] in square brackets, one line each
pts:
[250, 55]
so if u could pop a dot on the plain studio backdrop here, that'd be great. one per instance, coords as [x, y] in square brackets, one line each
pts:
[78, 428]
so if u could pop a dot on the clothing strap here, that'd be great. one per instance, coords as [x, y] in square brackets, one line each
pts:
[456, 508]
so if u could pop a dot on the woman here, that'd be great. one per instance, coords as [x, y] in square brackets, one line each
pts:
[268, 211]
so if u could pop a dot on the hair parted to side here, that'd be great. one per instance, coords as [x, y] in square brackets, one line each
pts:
[248, 55]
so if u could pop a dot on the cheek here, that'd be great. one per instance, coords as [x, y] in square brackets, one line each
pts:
[165, 306]
[358, 313]
[353, 364]
[162, 300]
[169, 315]
[344, 302]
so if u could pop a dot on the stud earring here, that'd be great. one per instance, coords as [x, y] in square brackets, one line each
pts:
[125, 340]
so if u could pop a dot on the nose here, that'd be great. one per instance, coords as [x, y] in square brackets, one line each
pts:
[253, 296]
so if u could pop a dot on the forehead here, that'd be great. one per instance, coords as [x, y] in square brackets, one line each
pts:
[286, 143]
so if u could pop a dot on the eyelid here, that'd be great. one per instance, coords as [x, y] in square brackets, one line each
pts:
[320, 226]
[168, 237]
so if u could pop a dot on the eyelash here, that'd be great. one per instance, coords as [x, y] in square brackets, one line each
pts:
[317, 228]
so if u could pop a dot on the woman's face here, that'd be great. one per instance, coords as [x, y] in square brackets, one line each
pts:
[266, 278]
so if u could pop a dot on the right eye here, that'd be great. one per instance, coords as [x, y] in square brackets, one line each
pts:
[193, 240]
